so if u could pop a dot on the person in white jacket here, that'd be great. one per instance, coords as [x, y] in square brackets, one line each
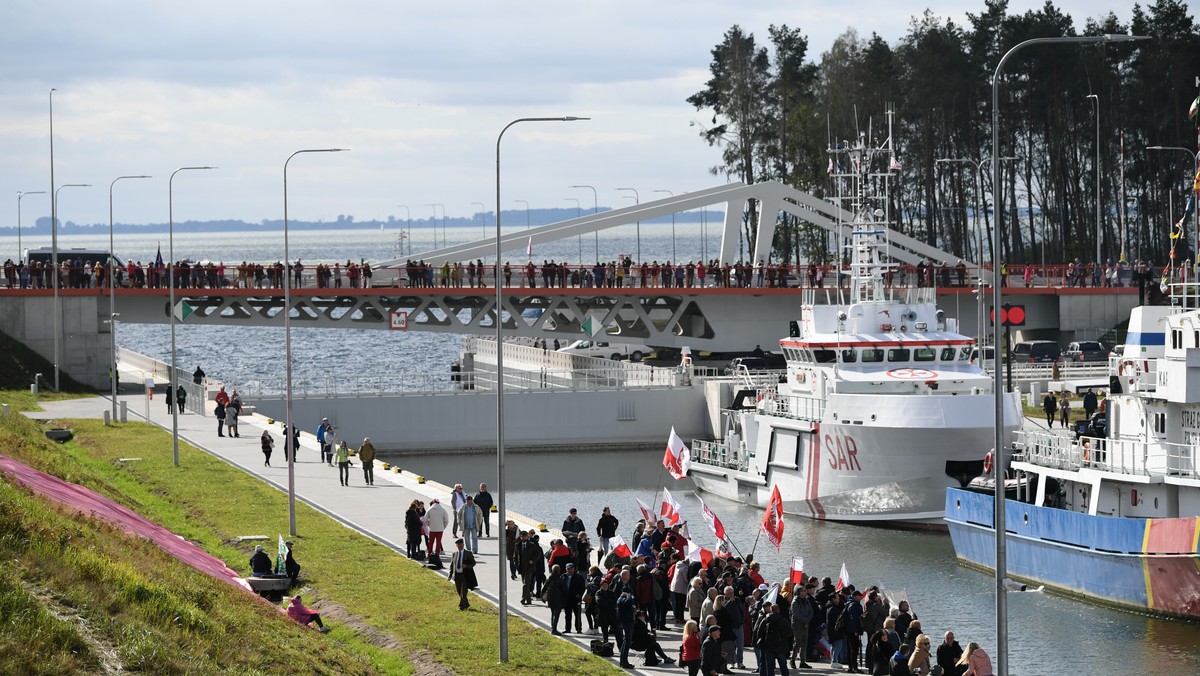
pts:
[438, 518]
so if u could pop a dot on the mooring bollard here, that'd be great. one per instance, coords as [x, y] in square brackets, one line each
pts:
[124, 415]
[4, 410]
[107, 418]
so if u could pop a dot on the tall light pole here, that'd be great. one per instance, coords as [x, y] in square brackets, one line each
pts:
[1096, 100]
[1195, 170]
[407, 227]
[674, 256]
[482, 217]
[526, 203]
[435, 205]
[578, 214]
[171, 303]
[595, 210]
[20, 194]
[55, 275]
[500, 386]
[637, 199]
[290, 430]
[997, 392]
[112, 296]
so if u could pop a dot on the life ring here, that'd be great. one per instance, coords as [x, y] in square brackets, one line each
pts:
[1128, 363]
[987, 463]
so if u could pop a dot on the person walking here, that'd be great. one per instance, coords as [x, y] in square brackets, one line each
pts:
[232, 413]
[366, 454]
[470, 517]
[457, 499]
[606, 529]
[437, 519]
[325, 441]
[342, 457]
[181, 399]
[268, 444]
[1090, 404]
[219, 414]
[483, 500]
[1050, 406]
[1064, 410]
[462, 573]
[198, 376]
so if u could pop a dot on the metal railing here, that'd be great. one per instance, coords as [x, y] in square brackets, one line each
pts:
[149, 368]
[718, 454]
[809, 409]
[1122, 456]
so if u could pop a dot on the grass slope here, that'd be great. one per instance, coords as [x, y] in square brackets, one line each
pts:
[382, 606]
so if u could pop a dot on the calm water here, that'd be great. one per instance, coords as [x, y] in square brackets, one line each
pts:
[1048, 634]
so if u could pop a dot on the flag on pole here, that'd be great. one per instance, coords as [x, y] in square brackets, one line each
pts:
[281, 557]
[687, 535]
[646, 513]
[619, 547]
[677, 459]
[829, 169]
[158, 261]
[698, 553]
[669, 509]
[895, 164]
[772, 596]
[713, 522]
[843, 579]
[797, 572]
[529, 247]
[772, 523]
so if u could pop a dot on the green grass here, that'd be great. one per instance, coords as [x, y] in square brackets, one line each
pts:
[402, 614]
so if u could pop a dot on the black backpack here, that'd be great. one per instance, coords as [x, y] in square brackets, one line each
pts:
[602, 648]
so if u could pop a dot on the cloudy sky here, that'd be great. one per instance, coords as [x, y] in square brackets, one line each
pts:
[417, 92]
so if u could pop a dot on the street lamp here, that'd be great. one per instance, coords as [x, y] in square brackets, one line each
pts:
[482, 217]
[595, 210]
[435, 205]
[112, 297]
[500, 385]
[578, 214]
[526, 212]
[19, 196]
[1096, 100]
[408, 226]
[290, 448]
[1195, 170]
[997, 393]
[171, 302]
[674, 256]
[637, 199]
[54, 274]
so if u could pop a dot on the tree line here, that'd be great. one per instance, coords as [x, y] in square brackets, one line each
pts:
[775, 112]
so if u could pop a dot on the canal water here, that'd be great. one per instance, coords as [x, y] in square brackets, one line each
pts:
[1047, 634]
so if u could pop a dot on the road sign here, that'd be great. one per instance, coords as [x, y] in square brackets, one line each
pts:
[183, 310]
[398, 320]
[592, 326]
[1010, 315]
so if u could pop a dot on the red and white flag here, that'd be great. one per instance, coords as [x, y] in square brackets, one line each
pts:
[843, 579]
[619, 547]
[678, 459]
[669, 509]
[646, 513]
[772, 523]
[797, 572]
[698, 553]
[713, 522]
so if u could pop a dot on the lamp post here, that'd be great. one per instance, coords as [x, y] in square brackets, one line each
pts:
[997, 393]
[1096, 100]
[578, 214]
[171, 302]
[290, 430]
[526, 212]
[57, 279]
[482, 217]
[434, 222]
[112, 297]
[595, 210]
[1195, 170]
[408, 226]
[500, 385]
[637, 199]
[20, 194]
[674, 256]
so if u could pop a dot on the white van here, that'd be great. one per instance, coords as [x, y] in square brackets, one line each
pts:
[605, 350]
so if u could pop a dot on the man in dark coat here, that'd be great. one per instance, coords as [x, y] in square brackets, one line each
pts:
[289, 564]
[948, 654]
[606, 528]
[529, 553]
[626, 614]
[260, 562]
[710, 652]
[483, 500]
[573, 587]
[1050, 405]
[1089, 404]
[462, 573]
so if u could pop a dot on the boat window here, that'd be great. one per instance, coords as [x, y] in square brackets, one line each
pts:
[849, 356]
[898, 354]
[924, 354]
[947, 354]
[825, 356]
[964, 353]
[872, 355]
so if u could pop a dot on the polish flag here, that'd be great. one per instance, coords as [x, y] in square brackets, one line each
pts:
[677, 459]
[529, 247]
[714, 523]
[646, 513]
[669, 509]
[843, 579]
[772, 523]
[698, 553]
[797, 573]
[619, 547]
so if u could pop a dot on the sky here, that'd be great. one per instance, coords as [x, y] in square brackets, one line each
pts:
[418, 93]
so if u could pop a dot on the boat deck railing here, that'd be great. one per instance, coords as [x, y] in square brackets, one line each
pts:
[810, 409]
[1122, 456]
[719, 454]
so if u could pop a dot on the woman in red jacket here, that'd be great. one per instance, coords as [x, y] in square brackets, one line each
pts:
[689, 650]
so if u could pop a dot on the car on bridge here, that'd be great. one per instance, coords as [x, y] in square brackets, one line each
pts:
[1086, 350]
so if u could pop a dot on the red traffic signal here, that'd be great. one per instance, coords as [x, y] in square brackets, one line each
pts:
[1010, 315]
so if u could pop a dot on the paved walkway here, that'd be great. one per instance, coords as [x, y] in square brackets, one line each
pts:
[376, 511]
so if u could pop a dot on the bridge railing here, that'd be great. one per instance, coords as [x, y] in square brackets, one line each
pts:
[144, 367]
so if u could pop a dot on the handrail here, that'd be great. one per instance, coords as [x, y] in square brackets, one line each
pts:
[1122, 456]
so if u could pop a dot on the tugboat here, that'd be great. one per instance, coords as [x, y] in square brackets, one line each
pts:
[881, 408]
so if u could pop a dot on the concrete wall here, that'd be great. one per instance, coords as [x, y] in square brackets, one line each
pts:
[467, 420]
[86, 341]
